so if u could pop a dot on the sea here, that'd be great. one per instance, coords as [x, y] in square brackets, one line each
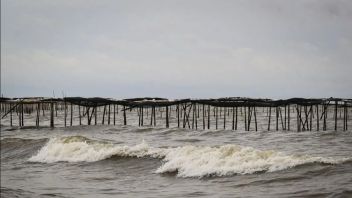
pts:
[155, 161]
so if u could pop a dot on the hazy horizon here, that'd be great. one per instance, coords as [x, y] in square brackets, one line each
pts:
[176, 49]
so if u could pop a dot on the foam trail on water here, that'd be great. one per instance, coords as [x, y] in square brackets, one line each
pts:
[187, 161]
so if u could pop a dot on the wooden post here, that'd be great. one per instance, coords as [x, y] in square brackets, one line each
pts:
[167, 117]
[224, 117]
[245, 119]
[249, 117]
[80, 116]
[95, 114]
[109, 115]
[344, 116]
[71, 114]
[233, 118]
[236, 118]
[178, 115]
[102, 122]
[154, 116]
[208, 116]
[65, 110]
[288, 117]
[142, 119]
[197, 115]
[317, 107]
[311, 118]
[277, 118]
[285, 125]
[124, 115]
[22, 114]
[269, 118]
[114, 114]
[51, 114]
[216, 117]
[11, 115]
[335, 115]
[203, 116]
[19, 115]
[193, 115]
[38, 114]
[255, 119]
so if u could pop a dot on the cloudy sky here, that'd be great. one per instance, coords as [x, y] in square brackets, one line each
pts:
[176, 48]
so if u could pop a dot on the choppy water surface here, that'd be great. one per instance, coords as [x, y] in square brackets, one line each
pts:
[126, 161]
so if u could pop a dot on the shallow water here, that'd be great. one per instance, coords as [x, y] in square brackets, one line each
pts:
[127, 161]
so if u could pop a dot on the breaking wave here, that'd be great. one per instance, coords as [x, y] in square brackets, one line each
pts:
[186, 161]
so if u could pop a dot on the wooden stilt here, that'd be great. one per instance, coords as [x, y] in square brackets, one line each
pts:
[124, 115]
[51, 114]
[167, 117]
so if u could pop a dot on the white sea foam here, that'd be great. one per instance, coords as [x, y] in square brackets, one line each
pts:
[187, 161]
[80, 149]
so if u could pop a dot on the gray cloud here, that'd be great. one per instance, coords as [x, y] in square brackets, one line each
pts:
[177, 49]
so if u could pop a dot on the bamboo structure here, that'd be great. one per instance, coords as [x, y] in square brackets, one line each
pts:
[296, 114]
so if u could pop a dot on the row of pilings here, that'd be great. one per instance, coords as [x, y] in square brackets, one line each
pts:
[224, 113]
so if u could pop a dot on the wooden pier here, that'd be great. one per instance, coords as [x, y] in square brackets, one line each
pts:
[235, 113]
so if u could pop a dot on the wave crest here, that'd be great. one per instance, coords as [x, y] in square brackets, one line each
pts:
[187, 161]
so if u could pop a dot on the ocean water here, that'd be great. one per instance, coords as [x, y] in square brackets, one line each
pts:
[131, 161]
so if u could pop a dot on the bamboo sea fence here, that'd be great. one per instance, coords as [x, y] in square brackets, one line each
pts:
[232, 113]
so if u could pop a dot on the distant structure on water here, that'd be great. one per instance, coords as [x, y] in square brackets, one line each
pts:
[235, 113]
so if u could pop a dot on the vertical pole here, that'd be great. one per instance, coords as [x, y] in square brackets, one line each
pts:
[124, 115]
[224, 117]
[245, 118]
[38, 114]
[311, 118]
[114, 114]
[269, 118]
[95, 114]
[142, 119]
[109, 115]
[233, 118]
[197, 114]
[335, 115]
[288, 117]
[203, 117]
[102, 122]
[277, 118]
[178, 115]
[11, 114]
[154, 116]
[317, 107]
[19, 114]
[208, 116]
[22, 113]
[285, 124]
[236, 118]
[167, 117]
[249, 117]
[71, 114]
[255, 119]
[79, 114]
[193, 115]
[51, 114]
[216, 117]
[65, 110]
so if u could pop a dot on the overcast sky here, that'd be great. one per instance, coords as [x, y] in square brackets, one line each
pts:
[176, 49]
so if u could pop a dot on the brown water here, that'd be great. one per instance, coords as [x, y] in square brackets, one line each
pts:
[128, 161]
